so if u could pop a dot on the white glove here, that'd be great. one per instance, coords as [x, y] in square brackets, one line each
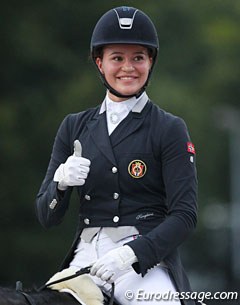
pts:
[113, 263]
[74, 171]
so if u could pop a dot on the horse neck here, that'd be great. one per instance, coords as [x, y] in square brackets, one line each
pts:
[10, 296]
[47, 296]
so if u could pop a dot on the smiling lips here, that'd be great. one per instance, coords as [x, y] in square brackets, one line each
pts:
[126, 77]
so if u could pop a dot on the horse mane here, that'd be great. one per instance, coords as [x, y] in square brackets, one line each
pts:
[9, 296]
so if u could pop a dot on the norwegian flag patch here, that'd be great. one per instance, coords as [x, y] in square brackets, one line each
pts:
[191, 148]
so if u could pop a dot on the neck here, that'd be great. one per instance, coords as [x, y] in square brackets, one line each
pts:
[10, 296]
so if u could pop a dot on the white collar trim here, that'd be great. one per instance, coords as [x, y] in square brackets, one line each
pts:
[138, 107]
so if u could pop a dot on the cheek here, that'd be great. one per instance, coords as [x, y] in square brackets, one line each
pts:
[108, 70]
[149, 65]
[148, 68]
[144, 70]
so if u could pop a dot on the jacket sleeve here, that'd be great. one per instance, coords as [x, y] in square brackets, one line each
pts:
[180, 180]
[51, 204]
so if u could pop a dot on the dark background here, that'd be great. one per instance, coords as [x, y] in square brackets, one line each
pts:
[46, 73]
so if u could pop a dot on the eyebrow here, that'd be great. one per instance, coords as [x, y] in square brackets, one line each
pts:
[135, 53]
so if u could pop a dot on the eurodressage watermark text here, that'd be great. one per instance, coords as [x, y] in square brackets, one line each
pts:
[201, 297]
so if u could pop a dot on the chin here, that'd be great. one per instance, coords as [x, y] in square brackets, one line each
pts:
[128, 92]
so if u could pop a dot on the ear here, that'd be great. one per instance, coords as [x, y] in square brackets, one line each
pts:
[99, 64]
[151, 62]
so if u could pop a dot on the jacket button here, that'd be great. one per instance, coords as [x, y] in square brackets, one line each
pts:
[53, 204]
[114, 170]
[115, 219]
[86, 221]
[87, 197]
[115, 195]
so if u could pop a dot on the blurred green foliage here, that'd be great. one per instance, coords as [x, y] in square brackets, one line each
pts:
[46, 73]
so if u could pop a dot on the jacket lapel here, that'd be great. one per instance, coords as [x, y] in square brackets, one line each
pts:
[129, 125]
[99, 133]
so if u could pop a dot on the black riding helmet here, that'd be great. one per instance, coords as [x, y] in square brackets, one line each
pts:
[124, 25]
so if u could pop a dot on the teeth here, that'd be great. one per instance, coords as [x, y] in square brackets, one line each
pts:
[126, 78]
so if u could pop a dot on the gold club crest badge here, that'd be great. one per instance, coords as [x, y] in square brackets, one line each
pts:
[137, 168]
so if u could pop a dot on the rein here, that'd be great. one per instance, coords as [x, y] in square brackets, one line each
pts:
[76, 274]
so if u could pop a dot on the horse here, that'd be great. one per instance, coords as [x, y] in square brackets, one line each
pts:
[11, 296]
[46, 296]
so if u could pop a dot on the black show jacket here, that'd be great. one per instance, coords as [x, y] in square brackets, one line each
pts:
[161, 203]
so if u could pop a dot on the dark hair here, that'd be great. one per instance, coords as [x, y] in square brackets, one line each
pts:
[98, 52]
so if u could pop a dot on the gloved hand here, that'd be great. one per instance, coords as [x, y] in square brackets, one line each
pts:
[113, 263]
[74, 171]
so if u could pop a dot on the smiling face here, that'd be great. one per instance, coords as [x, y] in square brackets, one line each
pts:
[125, 68]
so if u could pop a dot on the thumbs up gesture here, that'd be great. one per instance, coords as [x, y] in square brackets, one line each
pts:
[74, 171]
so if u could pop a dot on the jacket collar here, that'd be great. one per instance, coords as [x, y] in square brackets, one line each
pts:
[142, 101]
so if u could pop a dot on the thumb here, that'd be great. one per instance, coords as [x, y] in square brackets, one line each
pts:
[77, 149]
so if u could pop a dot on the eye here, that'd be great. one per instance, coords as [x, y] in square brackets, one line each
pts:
[117, 58]
[139, 58]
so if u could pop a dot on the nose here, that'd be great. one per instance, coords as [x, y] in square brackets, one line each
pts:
[127, 66]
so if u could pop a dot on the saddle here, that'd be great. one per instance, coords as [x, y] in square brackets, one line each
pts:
[77, 283]
[80, 285]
